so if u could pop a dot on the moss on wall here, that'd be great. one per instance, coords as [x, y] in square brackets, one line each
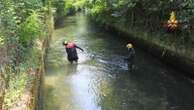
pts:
[180, 57]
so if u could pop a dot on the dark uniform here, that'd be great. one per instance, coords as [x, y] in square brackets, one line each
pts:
[72, 54]
[71, 51]
[131, 56]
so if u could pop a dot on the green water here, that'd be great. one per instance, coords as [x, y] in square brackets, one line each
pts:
[101, 79]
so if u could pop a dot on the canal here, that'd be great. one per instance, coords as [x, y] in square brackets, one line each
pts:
[101, 79]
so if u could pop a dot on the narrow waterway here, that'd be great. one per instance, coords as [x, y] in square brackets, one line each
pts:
[101, 79]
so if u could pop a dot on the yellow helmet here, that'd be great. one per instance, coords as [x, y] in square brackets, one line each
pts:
[65, 42]
[129, 45]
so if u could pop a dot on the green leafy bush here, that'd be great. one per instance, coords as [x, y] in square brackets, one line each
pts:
[20, 26]
[17, 83]
[30, 29]
[147, 15]
[79, 4]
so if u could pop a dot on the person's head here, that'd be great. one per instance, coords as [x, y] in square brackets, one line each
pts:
[65, 42]
[129, 46]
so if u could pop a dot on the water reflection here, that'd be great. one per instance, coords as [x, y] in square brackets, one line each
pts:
[84, 91]
[101, 80]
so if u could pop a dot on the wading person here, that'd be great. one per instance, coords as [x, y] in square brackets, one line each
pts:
[71, 51]
[131, 56]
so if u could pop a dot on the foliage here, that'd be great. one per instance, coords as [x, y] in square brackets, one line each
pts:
[149, 15]
[17, 80]
[24, 7]
[17, 85]
[79, 4]
[69, 4]
[15, 16]
[9, 29]
[21, 24]
[30, 29]
[60, 8]
[99, 7]
[20, 78]
[64, 7]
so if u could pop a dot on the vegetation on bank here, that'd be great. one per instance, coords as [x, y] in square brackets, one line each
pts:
[24, 25]
[167, 22]
[65, 8]
[22, 28]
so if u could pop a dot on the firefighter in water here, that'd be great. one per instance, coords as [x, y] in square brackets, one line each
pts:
[71, 51]
[131, 55]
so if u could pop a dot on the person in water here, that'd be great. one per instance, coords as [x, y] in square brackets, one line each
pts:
[131, 55]
[71, 51]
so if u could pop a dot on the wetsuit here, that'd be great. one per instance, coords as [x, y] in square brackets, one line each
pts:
[131, 57]
[72, 52]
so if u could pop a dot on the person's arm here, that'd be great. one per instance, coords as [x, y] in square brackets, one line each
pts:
[79, 48]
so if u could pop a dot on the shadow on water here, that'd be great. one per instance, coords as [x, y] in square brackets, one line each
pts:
[101, 80]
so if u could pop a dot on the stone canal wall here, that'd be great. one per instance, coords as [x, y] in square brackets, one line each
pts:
[32, 94]
[180, 58]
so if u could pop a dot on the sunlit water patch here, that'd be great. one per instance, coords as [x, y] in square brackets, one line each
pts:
[101, 79]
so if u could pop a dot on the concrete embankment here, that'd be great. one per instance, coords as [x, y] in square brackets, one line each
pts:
[181, 59]
[37, 86]
[32, 95]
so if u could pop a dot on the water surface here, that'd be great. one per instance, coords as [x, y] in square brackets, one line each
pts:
[101, 79]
